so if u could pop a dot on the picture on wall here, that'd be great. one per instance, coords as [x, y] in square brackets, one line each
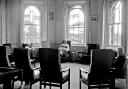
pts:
[51, 15]
[94, 18]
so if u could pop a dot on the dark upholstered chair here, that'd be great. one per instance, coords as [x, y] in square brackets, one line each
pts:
[4, 62]
[90, 47]
[86, 56]
[9, 51]
[22, 61]
[51, 73]
[99, 72]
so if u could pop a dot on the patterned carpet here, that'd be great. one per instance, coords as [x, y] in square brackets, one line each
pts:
[120, 84]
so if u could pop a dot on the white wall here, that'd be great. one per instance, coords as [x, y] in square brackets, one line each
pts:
[0, 23]
[13, 9]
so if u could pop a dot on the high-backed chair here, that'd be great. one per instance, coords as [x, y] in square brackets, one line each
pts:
[99, 72]
[9, 51]
[4, 62]
[22, 61]
[90, 47]
[51, 73]
[86, 56]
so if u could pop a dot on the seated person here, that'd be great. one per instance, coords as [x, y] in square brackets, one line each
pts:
[64, 48]
[119, 60]
[29, 46]
[31, 49]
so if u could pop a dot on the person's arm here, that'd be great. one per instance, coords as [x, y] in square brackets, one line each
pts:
[67, 47]
[60, 47]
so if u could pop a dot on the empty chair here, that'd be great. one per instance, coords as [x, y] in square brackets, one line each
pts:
[22, 61]
[51, 73]
[90, 47]
[4, 62]
[99, 72]
[86, 58]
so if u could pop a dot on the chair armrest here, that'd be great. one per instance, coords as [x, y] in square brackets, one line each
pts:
[67, 69]
[36, 68]
[82, 70]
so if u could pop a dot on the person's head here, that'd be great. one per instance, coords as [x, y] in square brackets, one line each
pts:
[120, 51]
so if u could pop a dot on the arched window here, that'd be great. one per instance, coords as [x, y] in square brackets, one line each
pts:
[75, 30]
[114, 23]
[31, 25]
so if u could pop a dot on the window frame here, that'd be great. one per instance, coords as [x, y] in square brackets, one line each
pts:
[112, 23]
[68, 8]
[42, 6]
[31, 24]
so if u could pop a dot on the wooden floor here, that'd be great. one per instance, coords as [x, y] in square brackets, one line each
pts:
[120, 84]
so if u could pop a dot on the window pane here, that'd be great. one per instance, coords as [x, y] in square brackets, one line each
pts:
[76, 25]
[32, 25]
[115, 24]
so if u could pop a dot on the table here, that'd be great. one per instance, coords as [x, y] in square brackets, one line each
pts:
[7, 75]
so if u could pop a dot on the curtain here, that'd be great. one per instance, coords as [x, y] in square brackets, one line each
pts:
[105, 23]
[3, 32]
[105, 38]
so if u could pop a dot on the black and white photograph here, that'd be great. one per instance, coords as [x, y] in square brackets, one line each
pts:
[63, 44]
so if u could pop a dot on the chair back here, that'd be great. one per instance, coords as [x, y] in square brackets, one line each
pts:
[101, 60]
[8, 48]
[50, 65]
[92, 46]
[22, 61]
[9, 51]
[4, 61]
[22, 58]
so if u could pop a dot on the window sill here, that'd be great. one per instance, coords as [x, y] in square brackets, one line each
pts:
[78, 45]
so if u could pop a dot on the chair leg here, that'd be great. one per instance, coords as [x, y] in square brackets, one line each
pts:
[80, 84]
[79, 78]
[60, 86]
[69, 84]
[44, 85]
[126, 81]
[12, 85]
[88, 87]
[112, 84]
[40, 84]
[50, 85]
[30, 86]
